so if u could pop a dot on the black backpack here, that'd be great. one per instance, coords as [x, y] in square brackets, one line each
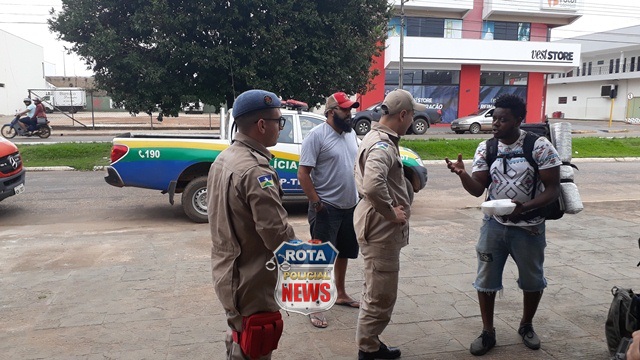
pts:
[552, 211]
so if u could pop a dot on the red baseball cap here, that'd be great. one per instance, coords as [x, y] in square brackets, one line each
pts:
[341, 100]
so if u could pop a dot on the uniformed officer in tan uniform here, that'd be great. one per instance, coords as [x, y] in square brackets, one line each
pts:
[246, 216]
[381, 220]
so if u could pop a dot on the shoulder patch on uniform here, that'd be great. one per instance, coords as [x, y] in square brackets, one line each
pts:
[266, 181]
[381, 145]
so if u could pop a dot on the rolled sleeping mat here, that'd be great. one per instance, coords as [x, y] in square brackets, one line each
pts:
[561, 138]
[566, 172]
[571, 198]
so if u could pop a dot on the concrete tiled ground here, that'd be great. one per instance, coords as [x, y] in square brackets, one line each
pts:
[155, 300]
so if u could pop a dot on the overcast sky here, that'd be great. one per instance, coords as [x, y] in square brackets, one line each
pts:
[27, 19]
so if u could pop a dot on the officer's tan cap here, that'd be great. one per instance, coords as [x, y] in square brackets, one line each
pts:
[399, 100]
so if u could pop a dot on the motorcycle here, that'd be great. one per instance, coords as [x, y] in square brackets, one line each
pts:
[9, 131]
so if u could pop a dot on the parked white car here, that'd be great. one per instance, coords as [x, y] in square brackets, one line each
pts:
[474, 123]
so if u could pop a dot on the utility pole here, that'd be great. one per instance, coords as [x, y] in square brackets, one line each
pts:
[402, 27]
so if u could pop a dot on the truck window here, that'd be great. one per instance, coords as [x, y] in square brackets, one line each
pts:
[307, 123]
[286, 134]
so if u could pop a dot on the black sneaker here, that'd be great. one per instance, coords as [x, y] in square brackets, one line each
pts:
[529, 337]
[485, 342]
[384, 352]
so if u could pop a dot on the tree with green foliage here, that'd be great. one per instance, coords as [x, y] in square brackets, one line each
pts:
[167, 52]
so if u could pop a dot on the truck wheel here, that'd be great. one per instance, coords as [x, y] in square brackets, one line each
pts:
[362, 126]
[419, 126]
[8, 131]
[194, 199]
[474, 128]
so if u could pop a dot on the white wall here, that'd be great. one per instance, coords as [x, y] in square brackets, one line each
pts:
[589, 104]
[20, 69]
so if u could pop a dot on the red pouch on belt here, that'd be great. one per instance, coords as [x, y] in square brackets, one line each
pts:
[260, 333]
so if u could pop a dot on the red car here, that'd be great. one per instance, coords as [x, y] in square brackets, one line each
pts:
[11, 170]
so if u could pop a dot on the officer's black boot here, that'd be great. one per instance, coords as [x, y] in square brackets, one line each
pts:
[384, 352]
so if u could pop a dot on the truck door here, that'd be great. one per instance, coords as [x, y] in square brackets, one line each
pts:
[286, 156]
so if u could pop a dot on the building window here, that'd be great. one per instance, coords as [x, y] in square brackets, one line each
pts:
[502, 30]
[624, 65]
[632, 66]
[391, 77]
[589, 70]
[441, 77]
[575, 98]
[617, 66]
[412, 77]
[524, 31]
[453, 29]
[611, 66]
[425, 27]
[584, 68]
[516, 78]
[562, 100]
[423, 77]
[491, 78]
[600, 62]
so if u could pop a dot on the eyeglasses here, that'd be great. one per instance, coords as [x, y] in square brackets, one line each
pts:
[281, 121]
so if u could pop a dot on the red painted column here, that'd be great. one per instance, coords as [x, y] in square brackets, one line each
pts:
[535, 98]
[469, 94]
[375, 89]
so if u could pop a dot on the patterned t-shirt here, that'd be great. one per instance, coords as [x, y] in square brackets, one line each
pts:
[517, 182]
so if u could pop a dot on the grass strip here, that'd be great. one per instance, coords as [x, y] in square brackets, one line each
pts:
[587, 147]
[84, 156]
[80, 156]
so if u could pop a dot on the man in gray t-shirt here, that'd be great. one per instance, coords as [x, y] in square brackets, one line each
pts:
[325, 173]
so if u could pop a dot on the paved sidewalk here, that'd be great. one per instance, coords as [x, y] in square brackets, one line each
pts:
[133, 295]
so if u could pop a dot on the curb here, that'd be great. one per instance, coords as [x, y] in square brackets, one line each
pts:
[49, 168]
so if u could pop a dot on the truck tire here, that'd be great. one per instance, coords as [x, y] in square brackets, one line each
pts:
[362, 126]
[419, 126]
[194, 200]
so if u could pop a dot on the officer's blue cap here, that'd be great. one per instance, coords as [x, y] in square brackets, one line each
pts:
[253, 100]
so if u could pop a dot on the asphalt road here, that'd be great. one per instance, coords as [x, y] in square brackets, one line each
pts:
[61, 198]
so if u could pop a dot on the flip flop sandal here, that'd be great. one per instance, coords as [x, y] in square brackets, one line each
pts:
[318, 321]
[351, 304]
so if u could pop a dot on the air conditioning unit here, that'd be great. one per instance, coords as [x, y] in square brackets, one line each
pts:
[609, 90]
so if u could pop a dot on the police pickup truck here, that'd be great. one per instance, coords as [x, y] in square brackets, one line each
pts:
[179, 163]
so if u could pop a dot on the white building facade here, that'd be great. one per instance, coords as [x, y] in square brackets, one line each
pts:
[21, 69]
[609, 61]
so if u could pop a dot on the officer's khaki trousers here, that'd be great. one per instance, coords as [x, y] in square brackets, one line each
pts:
[381, 268]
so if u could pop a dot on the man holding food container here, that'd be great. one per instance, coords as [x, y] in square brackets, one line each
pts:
[506, 228]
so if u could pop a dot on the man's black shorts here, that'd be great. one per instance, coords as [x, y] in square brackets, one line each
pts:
[336, 226]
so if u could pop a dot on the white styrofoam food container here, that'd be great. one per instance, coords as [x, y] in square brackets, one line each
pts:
[498, 207]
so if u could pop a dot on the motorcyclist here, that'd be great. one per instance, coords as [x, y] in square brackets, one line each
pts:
[30, 111]
[40, 113]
